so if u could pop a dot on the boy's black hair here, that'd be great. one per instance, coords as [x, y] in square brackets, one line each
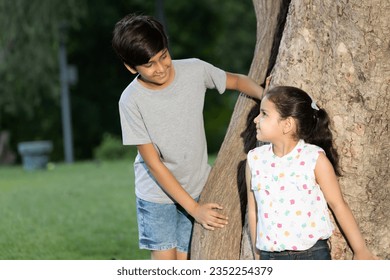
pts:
[313, 124]
[137, 38]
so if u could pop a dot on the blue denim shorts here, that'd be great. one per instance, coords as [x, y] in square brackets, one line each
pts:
[319, 251]
[163, 226]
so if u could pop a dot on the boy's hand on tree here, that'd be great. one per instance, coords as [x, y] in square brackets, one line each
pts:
[209, 218]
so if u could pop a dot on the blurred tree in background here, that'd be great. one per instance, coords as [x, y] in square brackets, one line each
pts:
[222, 32]
[29, 71]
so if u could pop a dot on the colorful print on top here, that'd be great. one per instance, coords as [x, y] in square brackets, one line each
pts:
[292, 211]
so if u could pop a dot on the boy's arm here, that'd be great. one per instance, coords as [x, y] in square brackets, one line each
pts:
[203, 214]
[244, 84]
[328, 182]
[252, 215]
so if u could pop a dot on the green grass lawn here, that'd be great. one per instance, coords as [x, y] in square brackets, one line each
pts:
[82, 211]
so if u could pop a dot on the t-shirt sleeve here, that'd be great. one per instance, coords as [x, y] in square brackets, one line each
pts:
[215, 78]
[134, 131]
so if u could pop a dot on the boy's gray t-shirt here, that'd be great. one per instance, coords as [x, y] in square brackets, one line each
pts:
[171, 119]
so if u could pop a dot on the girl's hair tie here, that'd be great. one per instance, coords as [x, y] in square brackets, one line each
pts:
[314, 105]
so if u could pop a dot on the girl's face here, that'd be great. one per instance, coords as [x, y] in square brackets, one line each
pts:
[269, 126]
[158, 72]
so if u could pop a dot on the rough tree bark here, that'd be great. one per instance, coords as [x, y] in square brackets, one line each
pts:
[224, 186]
[339, 52]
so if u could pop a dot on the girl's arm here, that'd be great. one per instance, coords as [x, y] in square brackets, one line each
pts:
[203, 214]
[327, 179]
[244, 84]
[252, 213]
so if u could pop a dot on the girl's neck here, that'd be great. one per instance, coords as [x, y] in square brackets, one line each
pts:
[283, 148]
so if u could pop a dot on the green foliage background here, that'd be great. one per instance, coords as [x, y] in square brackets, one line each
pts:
[221, 32]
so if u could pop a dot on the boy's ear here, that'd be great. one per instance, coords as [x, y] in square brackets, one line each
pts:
[131, 69]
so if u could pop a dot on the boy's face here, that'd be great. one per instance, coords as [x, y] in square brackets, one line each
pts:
[157, 73]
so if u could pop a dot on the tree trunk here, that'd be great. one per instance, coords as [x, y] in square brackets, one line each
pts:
[225, 184]
[339, 52]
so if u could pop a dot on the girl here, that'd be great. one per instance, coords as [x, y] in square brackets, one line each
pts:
[293, 178]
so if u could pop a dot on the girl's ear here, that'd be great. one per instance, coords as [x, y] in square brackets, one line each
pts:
[131, 69]
[288, 125]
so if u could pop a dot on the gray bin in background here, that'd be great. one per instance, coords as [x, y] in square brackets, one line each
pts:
[35, 154]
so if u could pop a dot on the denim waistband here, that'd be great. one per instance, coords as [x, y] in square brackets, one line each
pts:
[321, 243]
[319, 251]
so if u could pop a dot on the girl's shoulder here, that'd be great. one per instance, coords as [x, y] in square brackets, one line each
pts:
[311, 150]
[261, 150]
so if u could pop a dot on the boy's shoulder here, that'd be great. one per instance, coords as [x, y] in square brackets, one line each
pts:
[187, 61]
[192, 66]
[128, 91]
[194, 61]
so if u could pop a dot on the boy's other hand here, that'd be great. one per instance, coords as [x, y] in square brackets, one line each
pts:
[208, 217]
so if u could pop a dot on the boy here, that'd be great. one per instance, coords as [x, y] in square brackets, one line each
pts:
[161, 112]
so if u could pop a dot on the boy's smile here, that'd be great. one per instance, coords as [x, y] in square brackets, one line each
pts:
[158, 72]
